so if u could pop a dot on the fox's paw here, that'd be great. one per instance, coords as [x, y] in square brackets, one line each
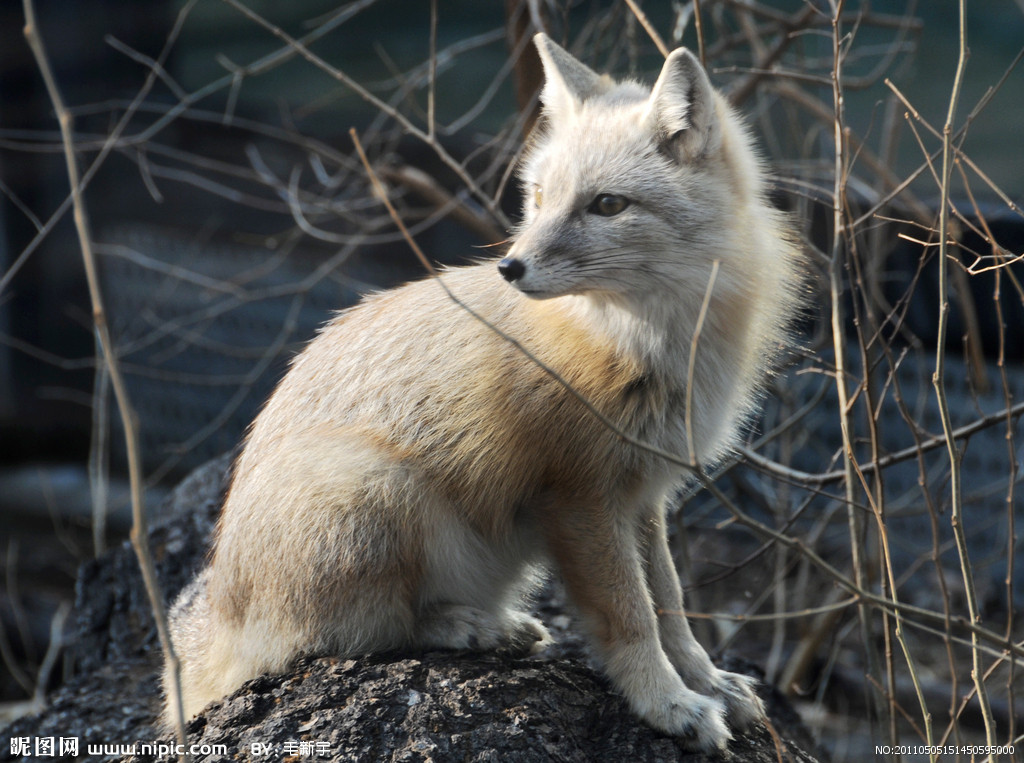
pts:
[698, 719]
[456, 626]
[527, 634]
[742, 705]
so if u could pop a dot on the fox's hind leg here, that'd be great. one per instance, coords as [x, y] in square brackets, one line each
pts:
[473, 589]
[743, 706]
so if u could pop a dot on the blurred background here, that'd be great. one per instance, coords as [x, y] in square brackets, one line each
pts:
[230, 217]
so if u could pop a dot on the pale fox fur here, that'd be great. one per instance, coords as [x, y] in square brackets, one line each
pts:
[414, 474]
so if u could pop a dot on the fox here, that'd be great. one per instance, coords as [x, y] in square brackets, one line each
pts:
[415, 475]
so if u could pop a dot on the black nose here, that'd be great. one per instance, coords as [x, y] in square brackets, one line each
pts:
[511, 269]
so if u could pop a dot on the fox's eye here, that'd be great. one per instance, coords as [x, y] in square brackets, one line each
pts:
[608, 204]
[538, 196]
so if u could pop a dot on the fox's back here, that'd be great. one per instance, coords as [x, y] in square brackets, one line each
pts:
[438, 386]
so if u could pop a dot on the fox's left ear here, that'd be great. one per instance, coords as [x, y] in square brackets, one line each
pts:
[682, 107]
[567, 81]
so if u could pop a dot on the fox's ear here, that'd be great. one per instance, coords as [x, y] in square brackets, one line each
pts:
[682, 107]
[567, 82]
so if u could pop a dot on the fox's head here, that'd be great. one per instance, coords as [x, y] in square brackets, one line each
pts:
[626, 189]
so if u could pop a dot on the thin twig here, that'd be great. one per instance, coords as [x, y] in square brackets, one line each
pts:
[139, 533]
[432, 83]
[99, 454]
[817, 480]
[939, 379]
[692, 360]
[648, 27]
[108, 145]
[53, 649]
[862, 594]
[698, 24]
[299, 47]
[838, 324]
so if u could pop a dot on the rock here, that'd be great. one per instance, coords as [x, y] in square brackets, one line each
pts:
[435, 706]
[444, 707]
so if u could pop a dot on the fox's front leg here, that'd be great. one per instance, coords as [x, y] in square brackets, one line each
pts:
[686, 654]
[597, 550]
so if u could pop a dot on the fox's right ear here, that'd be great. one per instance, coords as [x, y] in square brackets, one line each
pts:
[567, 81]
[682, 107]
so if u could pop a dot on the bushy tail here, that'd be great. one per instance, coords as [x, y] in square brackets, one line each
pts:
[191, 630]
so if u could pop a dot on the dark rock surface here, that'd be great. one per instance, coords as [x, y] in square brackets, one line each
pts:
[436, 706]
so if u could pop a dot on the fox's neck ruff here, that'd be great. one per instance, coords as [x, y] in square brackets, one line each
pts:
[653, 335]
